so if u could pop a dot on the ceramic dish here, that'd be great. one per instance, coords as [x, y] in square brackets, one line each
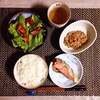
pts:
[81, 25]
[58, 14]
[26, 31]
[62, 81]
[30, 71]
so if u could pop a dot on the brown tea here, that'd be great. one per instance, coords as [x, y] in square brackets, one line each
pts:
[58, 15]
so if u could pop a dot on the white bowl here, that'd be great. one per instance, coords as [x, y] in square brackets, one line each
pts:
[30, 71]
[61, 80]
[81, 25]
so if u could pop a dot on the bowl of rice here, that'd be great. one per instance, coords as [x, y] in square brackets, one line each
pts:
[30, 71]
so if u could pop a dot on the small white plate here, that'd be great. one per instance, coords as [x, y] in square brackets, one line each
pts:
[81, 25]
[62, 81]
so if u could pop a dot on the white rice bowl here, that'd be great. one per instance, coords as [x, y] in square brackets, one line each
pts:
[30, 71]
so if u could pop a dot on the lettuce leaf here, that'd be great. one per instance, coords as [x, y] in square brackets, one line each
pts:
[19, 42]
[21, 19]
[37, 20]
[13, 31]
[37, 40]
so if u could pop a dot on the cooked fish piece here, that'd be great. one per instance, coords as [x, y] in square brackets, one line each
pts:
[62, 67]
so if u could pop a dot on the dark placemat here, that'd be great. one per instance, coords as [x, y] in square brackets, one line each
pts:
[89, 58]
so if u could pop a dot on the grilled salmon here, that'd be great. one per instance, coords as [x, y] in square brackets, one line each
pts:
[63, 67]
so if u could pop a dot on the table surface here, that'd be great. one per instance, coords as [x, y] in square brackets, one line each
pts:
[46, 3]
[43, 3]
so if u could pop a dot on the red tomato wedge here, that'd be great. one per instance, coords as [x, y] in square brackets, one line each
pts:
[30, 21]
[21, 29]
[35, 32]
[26, 39]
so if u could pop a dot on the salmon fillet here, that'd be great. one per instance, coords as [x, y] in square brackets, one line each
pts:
[60, 66]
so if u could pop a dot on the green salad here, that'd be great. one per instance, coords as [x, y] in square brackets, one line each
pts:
[27, 33]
